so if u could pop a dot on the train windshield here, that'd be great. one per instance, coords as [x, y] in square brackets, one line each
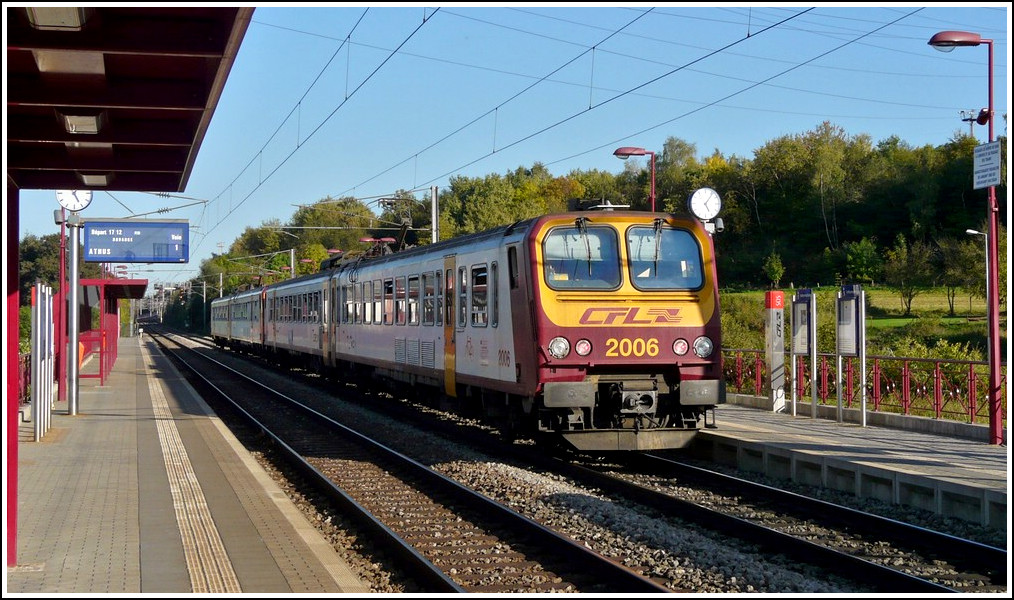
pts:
[581, 258]
[663, 258]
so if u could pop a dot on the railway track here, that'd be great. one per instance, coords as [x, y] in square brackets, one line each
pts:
[452, 538]
[880, 555]
[899, 557]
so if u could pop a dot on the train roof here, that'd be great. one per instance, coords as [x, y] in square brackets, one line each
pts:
[355, 260]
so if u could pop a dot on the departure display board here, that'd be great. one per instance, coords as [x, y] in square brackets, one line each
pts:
[137, 241]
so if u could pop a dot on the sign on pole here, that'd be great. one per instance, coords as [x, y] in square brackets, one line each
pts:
[136, 241]
[987, 165]
[851, 311]
[774, 319]
[804, 341]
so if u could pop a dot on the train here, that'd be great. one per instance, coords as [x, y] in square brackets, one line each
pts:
[594, 330]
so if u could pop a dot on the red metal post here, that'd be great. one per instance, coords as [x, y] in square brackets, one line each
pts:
[906, 391]
[13, 393]
[849, 382]
[938, 390]
[973, 405]
[824, 372]
[60, 315]
[739, 370]
[993, 291]
[758, 374]
[876, 384]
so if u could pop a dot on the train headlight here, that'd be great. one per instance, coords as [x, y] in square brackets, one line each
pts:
[703, 346]
[583, 347]
[680, 347]
[559, 347]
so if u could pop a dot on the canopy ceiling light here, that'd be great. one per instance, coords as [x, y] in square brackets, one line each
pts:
[59, 18]
[95, 179]
[82, 122]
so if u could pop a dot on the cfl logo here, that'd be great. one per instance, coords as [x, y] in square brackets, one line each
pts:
[633, 315]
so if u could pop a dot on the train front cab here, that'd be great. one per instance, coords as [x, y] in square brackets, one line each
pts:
[628, 327]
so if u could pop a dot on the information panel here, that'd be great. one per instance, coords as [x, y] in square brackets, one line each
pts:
[987, 165]
[137, 241]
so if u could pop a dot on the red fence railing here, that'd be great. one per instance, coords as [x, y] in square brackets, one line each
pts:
[925, 387]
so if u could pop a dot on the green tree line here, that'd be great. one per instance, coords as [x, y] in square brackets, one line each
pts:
[814, 209]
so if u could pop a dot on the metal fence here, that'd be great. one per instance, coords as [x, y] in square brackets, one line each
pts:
[925, 387]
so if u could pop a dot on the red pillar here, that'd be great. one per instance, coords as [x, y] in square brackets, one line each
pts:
[13, 380]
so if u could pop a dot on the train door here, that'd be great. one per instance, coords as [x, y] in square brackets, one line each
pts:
[522, 310]
[329, 321]
[262, 317]
[450, 383]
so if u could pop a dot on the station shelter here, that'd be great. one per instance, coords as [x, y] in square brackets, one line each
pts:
[100, 322]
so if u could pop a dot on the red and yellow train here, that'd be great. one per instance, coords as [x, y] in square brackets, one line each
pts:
[599, 329]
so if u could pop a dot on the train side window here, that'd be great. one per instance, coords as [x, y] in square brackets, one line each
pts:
[347, 311]
[428, 298]
[480, 296]
[462, 296]
[357, 297]
[449, 296]
[378, 302]
[399, 300]
[388, 301]
[495, 295]
[439, 307]
[367, 302]
[512, 266]
[413, 300]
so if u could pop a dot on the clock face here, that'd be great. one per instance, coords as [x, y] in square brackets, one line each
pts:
[705, 204]
[74, 200]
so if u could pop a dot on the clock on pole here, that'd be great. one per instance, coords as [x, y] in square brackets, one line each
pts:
[705, 203]
[74, 200]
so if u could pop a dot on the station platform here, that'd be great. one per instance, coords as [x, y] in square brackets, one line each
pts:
[912, 461]
[144, 490]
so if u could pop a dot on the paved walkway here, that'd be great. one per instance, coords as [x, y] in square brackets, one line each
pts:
[145, 491]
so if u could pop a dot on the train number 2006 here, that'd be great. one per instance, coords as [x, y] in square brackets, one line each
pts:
[632, 347]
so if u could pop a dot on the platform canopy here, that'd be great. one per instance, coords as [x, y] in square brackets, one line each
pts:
[118, 289]
[115, 98]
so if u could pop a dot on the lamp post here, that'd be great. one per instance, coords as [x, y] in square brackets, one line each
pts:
[628, 151]
[945, 41]
[985, 240]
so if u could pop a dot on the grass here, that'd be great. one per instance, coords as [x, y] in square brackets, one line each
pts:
[886, 322]
[933, 302]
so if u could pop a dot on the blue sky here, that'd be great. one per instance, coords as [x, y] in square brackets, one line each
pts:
[352, 100]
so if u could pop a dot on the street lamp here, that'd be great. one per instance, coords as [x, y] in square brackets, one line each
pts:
[945, 41]
[628, 151]
[985, 239]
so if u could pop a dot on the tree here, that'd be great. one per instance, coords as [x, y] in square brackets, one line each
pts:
[597, 186]
[332, 223]
[39, 260]
[773, 268]
[908, 270]
[862, 260]
[954, 256]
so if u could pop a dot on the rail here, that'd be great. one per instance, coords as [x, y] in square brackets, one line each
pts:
[925, 387]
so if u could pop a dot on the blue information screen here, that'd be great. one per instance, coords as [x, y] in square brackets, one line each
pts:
[137, 241]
